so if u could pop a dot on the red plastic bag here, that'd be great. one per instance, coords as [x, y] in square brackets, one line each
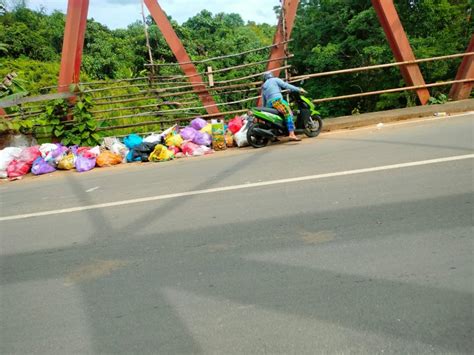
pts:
[235, 124]
[29, 155]
[18, 168]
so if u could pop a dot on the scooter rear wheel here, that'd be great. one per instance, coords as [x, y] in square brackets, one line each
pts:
[314, 127]
[256, 140]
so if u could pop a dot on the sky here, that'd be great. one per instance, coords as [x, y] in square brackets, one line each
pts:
[120, 13]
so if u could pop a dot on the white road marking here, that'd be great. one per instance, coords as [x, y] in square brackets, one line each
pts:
[92, 189]
[238, 187]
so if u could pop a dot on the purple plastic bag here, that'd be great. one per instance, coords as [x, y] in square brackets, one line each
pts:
[198, 123]
[40, 166]
[188, 133]
[202, 139]
[84, 164]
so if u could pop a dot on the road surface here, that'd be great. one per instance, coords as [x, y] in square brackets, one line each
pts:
[356, 241]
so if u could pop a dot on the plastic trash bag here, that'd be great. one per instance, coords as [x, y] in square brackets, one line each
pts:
[68, 162]
[57, 154]
[192, 149]
[229, 139]
[198, 123]
[84, 151]
[202, 139]
[116, 147]
[240, 138]
[95, 150]
[132, 140]
[18, 168]
[141, 152]
[174, 150]
[84, 163]
[235, 124]
[174, 140]
[29, 155]
[47, 150]
[188, 133]
[107, 158]
[153, 138]
[41, 166]
[189, 148]
[207, 129]
[161, 153]
[6, 156]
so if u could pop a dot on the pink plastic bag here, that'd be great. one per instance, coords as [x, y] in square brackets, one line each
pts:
[18, 168]
[174, 149]
[235, 124]
[29, 155]
[189, 148]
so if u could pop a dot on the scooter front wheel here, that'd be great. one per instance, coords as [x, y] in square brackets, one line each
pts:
[254, 139]
[314, 126]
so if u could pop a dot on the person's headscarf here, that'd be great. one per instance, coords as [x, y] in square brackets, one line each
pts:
[267, 75]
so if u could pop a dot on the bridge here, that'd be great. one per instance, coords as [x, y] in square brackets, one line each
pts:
[153, 102]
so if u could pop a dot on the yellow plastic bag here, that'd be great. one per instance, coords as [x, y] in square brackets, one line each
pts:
[68, 162]
[107, 158]
[207, 129]
[161, 153]
[174, 140]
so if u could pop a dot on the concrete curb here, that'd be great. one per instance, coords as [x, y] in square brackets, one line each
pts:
[373, 118]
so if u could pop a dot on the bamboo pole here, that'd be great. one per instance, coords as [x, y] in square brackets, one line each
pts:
[386, 91]
[221, 57]
[219, 114]
[378, 66]
[178, 109]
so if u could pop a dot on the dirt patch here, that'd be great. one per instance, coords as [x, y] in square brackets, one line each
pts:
[93, 271]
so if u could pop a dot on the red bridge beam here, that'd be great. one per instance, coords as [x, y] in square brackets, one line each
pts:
[289, 9]
[180, 53]
[398, 40]
[73, 43]
[462, 91]
[288, 12]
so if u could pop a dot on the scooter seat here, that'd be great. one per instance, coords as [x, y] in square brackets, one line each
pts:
[269, 110]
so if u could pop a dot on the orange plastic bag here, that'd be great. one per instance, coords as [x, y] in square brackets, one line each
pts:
[107, 158]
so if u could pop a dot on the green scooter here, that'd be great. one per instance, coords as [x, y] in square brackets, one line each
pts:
[267, 123]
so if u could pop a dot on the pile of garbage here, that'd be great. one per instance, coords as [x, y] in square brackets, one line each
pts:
[199, 138]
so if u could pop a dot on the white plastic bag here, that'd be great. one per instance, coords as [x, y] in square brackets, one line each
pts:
[240, 138]
[153, 138]
[47, 150]
[6, 156]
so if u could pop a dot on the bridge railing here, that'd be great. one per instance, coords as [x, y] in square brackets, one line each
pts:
[154, 102]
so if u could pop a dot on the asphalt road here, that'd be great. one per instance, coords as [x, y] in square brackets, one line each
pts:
[332, 245]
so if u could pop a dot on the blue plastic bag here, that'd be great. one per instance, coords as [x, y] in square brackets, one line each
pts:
[132, 140]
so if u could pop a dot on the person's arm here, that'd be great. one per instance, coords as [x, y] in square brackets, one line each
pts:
[284, 85]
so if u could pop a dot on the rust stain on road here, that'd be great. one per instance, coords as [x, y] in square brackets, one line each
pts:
[93, 271]
[318, 237]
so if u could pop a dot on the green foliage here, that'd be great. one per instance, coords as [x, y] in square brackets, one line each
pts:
[440, 99]
[341, 34]
[81, 130]
[328, 35]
